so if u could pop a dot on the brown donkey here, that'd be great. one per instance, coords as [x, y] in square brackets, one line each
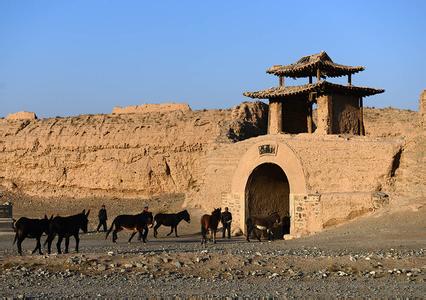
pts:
[210, 222]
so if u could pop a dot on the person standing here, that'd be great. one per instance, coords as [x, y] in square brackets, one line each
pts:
[226, 219]
[144, 234]
[102, 216]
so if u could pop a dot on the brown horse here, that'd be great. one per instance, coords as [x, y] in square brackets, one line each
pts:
[210, 222]
[262, 224]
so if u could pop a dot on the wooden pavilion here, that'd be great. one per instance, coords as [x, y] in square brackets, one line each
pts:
[339, 107]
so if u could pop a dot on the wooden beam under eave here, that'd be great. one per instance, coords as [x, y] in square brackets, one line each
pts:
[318, 74]
[361, 117]
[349, 79]
[282, 81]
[310, 79]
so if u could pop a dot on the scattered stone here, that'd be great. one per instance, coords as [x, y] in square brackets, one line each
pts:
[102, 267]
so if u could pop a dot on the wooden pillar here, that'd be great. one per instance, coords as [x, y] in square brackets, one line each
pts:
[310, 79]
[318, 75]
[349, 79]
[275, 117]
[309, 117]
[361, 117]
[282, 81]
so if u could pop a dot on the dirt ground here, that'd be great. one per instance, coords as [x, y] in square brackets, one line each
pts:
[381, 255]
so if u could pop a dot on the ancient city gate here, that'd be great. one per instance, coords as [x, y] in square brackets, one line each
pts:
[269, 177]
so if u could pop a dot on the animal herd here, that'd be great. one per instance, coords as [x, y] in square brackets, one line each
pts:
[70, 226]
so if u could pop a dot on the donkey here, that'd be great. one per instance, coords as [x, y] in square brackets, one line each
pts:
[135, 223]
[210, 222]
[170, 220]
[31, 228]
[262, 223]
[65, 227]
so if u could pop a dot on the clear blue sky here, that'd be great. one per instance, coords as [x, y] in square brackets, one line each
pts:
[74, 57]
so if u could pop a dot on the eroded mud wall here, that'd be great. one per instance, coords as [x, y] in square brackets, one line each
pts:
[120, 155]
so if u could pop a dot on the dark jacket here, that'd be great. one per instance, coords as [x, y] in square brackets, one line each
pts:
[102, 215]
[226, 217]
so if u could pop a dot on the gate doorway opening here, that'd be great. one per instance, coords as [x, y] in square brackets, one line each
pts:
[268, 190]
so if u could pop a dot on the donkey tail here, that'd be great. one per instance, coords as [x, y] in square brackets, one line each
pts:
[16, 238]
[110, 229]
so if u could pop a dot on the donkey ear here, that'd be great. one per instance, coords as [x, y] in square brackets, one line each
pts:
[45, 216]
[51, 217]
[88, 212]
[83, 212]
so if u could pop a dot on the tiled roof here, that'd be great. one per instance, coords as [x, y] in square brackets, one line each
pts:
[308, 65]
[319, 87]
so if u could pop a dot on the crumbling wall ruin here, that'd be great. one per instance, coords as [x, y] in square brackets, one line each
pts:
[22, 115]
[151, 108]
[120, 155]
[196, 153]
[338, 114]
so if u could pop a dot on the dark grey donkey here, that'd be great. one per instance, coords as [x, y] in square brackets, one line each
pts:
[260, 224]
[65, 227]
[31, 228]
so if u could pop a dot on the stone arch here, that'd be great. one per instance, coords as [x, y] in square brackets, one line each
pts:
[268, 151]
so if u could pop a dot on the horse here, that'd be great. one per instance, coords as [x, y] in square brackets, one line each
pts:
[210, 222]
[65, 227]
[31, 228]
[262, 223]
[170, 220]
[136, 223]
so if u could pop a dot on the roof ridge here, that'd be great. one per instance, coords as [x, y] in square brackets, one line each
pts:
[308, 65]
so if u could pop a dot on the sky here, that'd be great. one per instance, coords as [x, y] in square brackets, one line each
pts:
[61, 58]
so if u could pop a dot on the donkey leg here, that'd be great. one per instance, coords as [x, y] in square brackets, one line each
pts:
[114, 236]
[214, 236]
[38, 246]
[19, 244]
[58, 243]
[249, 229]
[67, 243]
[203, 235]
[132, 235]
[49, 243]
[156, 229]
[171, 231]
[176, 235]
[77, 242]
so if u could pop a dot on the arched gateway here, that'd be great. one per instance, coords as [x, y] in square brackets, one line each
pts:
[267, 190]
[269, 177]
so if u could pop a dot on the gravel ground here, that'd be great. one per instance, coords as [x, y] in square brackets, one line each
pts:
[365, 258]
